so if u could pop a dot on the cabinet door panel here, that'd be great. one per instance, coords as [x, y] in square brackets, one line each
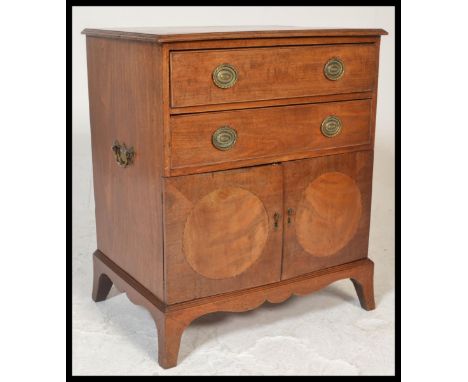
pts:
[327, 201]
[220, 232]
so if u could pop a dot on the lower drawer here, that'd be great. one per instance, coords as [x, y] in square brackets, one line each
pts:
[266, 135]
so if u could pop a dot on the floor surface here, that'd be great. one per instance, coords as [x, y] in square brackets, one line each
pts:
[325, 333]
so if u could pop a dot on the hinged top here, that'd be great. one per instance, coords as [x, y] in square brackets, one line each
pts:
[175, 34]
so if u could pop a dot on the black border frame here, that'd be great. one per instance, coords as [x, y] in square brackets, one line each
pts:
[396, 4]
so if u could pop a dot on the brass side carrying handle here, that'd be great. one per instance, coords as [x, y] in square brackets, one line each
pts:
[331, 126]
[225, 76]
[124, 156]
[224, 138]
[333, 69]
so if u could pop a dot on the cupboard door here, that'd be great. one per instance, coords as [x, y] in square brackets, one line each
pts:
[222, 231]
[327, 209]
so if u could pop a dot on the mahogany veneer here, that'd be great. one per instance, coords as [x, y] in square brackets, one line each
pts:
[231, 166]
[270, 73]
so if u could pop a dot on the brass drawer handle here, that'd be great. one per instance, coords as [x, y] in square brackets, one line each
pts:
[331, 126]
[334, 69]
[224, 138]
[124, 156]
[225, 76]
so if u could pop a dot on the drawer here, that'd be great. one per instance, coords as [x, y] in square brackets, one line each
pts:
[270, 73]
[267, 134]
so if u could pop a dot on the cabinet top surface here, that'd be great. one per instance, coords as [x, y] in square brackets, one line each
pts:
[175, 34]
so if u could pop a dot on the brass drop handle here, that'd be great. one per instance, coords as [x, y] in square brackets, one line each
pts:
[290, 213]
[225, 76]
[276, 218]
[334, 69]
[224, 138]
[124, 156]
[331, 126]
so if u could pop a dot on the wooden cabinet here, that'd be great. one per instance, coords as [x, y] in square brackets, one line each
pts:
[231, 167]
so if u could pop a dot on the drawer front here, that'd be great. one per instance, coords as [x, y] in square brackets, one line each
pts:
[270, 73]
[267, 135]
[222, 231]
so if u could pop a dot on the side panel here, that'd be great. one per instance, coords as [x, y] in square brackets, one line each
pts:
[125, 96]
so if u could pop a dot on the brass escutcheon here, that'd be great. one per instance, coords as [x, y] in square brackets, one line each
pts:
[331, 126]
[290, 213]
[276, 218]
[225, 76]
[224, 138]
[334, 69]
[124, 156]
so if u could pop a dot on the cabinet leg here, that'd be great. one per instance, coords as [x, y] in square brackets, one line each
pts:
[169, 335]
[102, 284]
[170, 325]
[364, 285]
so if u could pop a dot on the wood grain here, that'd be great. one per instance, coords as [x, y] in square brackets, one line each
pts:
[328, 214]
[166, 151]
[125, 104]
[374, 98]
[323, 222]
[230, 247]
[171, 320]
[269, 42]
[266, 160]
[225, 233]
[172, 34]
[273, 102]
[266, 134]
[270, 73]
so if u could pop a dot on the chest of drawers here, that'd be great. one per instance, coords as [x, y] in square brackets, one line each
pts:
[231, 167]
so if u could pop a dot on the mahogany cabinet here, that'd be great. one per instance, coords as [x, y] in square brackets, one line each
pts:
[231, 166]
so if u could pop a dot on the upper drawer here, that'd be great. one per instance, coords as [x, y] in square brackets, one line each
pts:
[266, 135]
[271, 73]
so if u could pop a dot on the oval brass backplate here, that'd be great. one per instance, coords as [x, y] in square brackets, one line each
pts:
[224, 138]
[225, 76]
[334, 69]
[331, 126]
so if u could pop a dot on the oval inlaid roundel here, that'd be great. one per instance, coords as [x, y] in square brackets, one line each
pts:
[328, 214]
[225, 233]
